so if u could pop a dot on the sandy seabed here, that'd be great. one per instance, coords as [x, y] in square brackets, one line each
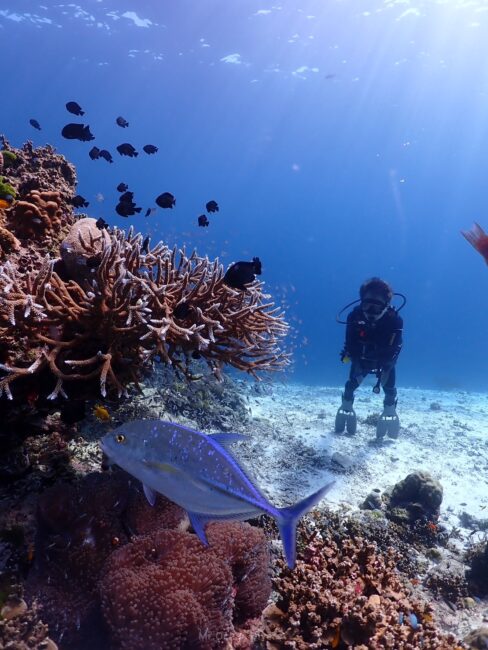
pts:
[292, 444]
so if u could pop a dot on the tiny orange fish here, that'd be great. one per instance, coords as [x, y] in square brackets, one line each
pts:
[101, 413]
[336, 638]
[478, 238]
[432, 527]
[4, 204]
[30, 553]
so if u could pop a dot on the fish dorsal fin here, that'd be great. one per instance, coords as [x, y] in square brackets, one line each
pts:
[150, 494]
[227, 439]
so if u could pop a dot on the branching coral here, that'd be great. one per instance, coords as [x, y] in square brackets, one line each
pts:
[347, 594]
[105, 309]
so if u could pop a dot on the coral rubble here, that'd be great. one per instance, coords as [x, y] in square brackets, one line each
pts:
[84, 305]
[346, 593]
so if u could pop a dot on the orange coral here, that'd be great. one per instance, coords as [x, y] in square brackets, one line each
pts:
[8, 242]
[37, 213]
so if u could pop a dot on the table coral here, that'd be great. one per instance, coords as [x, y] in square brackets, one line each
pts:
[84, 306]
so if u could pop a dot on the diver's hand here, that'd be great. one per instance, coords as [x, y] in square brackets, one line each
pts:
[345, 358]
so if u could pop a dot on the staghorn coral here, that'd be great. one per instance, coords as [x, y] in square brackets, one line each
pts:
[346, 594]
[105, 310]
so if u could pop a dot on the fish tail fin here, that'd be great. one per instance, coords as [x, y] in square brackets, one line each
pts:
[288, 518]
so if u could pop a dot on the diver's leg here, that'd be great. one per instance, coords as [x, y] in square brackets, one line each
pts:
[388, 422]
[346, 416]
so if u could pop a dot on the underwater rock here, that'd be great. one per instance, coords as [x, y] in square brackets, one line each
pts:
[341, 460]
[477, 571]
[418, 495]
[477, 639]
[373, 501]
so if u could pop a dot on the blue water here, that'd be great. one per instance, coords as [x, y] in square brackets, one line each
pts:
[341, 139]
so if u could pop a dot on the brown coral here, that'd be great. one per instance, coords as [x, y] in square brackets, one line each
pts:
[347, 594]
[106, 325]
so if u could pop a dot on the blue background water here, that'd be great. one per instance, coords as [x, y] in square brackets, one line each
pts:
[341, 139]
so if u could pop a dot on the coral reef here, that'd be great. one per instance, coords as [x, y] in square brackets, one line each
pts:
[22, 629]
[477, 573]
[80, 305]
[90, 536]
[347, 594]
[167, 590]
[477, 639]
[242, 547]
[417, 497]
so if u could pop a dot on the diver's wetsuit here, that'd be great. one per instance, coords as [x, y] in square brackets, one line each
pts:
[373, 346]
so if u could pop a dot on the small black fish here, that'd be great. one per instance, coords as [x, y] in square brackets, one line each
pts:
[127, 197]
[242, 273]
[101, 223]
[148, 212]
[94, 153]
[75, 108]
[35, 124]
[122, 187]
[145, 245]
[182, 310]
[106, 155]
[121, 122]
[203, 221]
[166, 200]
[77, 132]
[127, 149]
[212, 206]
[150, 148]
[93, 261]
[126, 209]
[79, 201]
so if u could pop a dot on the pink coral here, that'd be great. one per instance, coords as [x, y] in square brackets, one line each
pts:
[167, 591]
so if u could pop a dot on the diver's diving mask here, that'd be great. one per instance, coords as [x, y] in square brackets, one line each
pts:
[373, 309]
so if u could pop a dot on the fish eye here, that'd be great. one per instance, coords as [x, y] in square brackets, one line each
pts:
[120, 438]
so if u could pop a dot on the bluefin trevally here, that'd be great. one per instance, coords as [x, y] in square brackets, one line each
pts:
[198, 472]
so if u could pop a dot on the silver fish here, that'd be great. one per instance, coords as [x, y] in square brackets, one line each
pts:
[197, 472]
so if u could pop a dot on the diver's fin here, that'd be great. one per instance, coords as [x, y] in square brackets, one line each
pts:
[198, 523]
[150, 494]
[288, 518]
[226, 439]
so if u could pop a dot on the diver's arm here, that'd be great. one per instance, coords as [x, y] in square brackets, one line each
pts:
[394, 344]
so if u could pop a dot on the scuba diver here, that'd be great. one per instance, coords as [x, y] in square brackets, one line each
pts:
[373, 343]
